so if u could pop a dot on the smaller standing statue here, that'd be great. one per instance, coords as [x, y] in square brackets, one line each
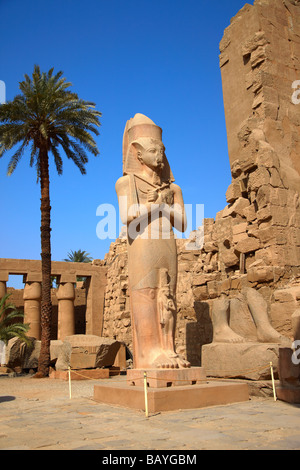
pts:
[151, 204]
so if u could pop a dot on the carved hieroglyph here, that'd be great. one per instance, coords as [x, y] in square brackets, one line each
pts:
[151, 205]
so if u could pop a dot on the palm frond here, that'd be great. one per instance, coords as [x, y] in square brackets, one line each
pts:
[9, 328]
[48, 113]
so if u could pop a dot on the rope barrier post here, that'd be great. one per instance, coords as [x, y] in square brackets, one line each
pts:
[70, 389]
[146, 395]
[273, 382]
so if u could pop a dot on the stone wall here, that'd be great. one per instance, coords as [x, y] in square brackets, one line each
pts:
[260, 61]
[255, 240]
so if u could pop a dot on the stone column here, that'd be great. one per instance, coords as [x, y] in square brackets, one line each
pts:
[32, 304]
[66, 312]
[3, 281]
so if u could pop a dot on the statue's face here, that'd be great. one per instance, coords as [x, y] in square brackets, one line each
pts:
[153, 156]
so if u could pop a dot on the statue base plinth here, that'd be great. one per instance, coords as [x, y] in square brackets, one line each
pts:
[159, 378]
[170, 390]
[240, 360]
[288, 394]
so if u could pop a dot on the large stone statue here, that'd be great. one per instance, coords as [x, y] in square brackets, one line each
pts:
[151, 205]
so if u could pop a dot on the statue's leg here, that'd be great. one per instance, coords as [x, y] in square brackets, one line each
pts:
[147, 258]
[146, 331]
[259, 311]
[222, 333]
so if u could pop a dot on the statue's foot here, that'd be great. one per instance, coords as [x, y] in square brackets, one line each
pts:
[182, 362]
[164, 361]
[170, 360]
[267, 334]
[227, 335]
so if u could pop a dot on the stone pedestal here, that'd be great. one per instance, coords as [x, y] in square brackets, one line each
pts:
[240, 360]
[289, 375]
[160, 378]
[32, 308]
[66, 315]
[166, 391]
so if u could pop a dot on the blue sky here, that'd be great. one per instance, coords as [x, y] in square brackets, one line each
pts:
[156, 57]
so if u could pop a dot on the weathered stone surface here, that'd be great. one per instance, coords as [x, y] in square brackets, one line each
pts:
[241, 320]
[16, 352]
[248, 245]
[236, 208]
[296, 324]
[288, 370]
[260, 273]
[22, 356]
[87, 351]
[241, 360]
[233, 192]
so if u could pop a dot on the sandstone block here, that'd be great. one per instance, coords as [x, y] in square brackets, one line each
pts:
[233, 192]
[236, 208]
[250, 213]
[201, 279]
[268, 195]
[239, 228]
[266, 156]
[260, 274]
[200, 293]
[18, 354]
[229, 258]
[264, 214]
[296, 324]
[87, 351]
[289, 373]
[289, 294]
[258, 178]
[239, 237]
[248, 245]
[240, 360]
[210, 247]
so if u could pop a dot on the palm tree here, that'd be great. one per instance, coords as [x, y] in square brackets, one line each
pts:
[49, 117]
[79, 256]
[9, 328]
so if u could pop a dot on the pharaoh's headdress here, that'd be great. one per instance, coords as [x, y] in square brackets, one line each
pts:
[137, 127]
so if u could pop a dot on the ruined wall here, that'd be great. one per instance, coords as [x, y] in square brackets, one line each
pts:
[260, 62]
[255, 240]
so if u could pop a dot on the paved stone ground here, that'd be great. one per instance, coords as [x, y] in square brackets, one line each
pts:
[38, 414]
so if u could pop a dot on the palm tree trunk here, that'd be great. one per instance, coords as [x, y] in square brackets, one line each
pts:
[46, 304]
